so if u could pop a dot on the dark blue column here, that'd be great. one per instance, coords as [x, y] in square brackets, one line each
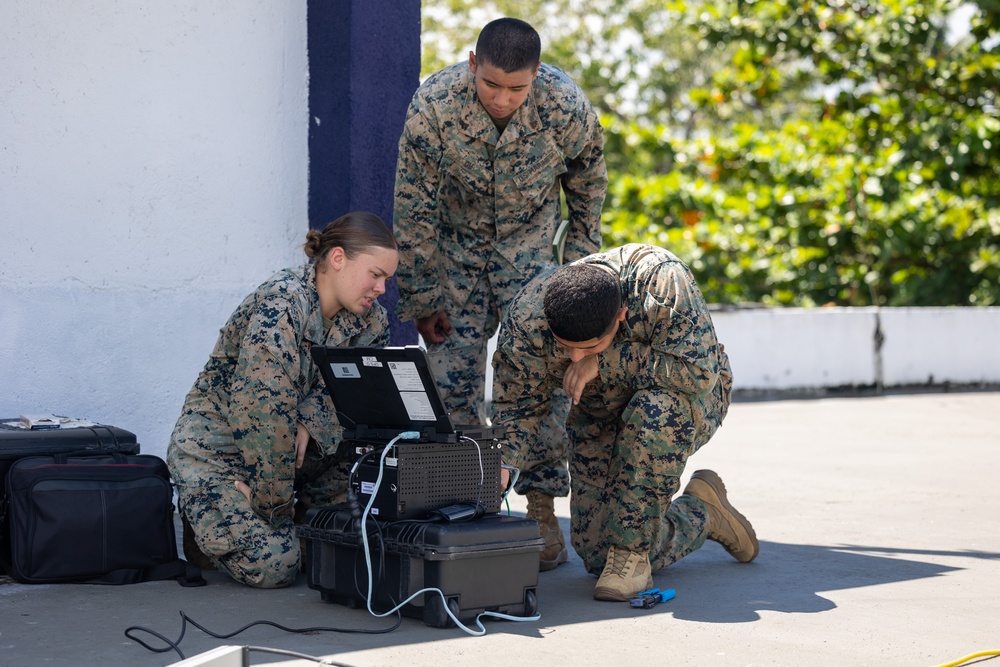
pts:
[364, 64]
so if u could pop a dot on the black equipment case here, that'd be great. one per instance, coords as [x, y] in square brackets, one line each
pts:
[17, 443]
[486, 564]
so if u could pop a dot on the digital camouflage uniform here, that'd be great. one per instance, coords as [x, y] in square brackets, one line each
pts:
[475, 216]
[239, 423]
[663, 390]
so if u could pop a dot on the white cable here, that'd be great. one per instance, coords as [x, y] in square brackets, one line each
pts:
[413, 435]
[482, 473]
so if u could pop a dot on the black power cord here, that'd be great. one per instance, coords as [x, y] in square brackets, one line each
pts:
[185, 619]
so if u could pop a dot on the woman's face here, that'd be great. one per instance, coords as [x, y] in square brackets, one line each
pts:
[356, 283]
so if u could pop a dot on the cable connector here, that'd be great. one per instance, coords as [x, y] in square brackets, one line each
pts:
[515, 473]
[409, 435]
[652, 597]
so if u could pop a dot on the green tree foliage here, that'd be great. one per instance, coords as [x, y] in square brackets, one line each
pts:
[798, 153]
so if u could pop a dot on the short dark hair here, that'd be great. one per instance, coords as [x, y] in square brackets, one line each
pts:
[355, 232]
[510, 44]
[581, 302]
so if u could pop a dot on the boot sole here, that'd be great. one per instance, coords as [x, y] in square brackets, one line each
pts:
[608, 595]
[712, 479]
[612, 595]
[546, 565]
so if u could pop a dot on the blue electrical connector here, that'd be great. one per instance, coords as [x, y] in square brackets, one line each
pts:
[648, 599]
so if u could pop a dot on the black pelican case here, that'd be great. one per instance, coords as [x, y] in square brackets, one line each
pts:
[484, 564]
[17, 443]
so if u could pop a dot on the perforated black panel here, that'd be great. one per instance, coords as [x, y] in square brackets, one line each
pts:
[422, 477]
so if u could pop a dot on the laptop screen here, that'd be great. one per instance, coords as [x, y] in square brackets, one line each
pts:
[380, 392]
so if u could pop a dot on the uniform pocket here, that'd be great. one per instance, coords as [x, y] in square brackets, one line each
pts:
[465, 180]
[536, 174]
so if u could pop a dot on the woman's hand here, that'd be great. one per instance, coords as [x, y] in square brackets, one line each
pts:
[301, 442]
[243, 488]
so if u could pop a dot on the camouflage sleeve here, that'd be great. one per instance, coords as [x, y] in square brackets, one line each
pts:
[316, 411]
[416, 220]
[585, 185]
[682, 353]
[379, 336]
[263, 404]
[522, 390]
[317, 414]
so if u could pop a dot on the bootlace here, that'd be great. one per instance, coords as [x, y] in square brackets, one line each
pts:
[618, 561]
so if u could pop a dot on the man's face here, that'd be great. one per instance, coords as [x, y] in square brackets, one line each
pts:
[578, 350]
[501, 93]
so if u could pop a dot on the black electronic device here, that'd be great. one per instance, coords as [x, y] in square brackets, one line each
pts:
[420, 477]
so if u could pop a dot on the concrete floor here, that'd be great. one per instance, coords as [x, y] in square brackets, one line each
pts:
[880, 545]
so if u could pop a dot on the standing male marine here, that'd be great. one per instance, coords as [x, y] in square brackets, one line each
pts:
[487, 149]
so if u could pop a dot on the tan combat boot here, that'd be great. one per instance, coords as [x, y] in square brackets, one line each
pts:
[626, 574]
[541, 508]
[725, 525]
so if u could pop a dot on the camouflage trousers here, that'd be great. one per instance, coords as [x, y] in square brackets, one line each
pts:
[257, 548]
[459, 368]
[629, 452]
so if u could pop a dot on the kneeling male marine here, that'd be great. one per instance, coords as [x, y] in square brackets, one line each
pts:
[628, 336]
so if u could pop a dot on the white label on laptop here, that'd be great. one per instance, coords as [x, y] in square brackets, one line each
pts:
[418, 405]
[406, 375]
[371, 361]
[345, 370]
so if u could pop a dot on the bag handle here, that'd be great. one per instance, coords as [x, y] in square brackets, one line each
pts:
[61, 457]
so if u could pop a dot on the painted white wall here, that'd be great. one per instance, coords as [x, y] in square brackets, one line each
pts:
[790, 348]
[153, 170]
[937, 345]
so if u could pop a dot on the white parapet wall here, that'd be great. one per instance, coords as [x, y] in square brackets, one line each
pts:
[936, 346]
[782, 349]
[788, 349]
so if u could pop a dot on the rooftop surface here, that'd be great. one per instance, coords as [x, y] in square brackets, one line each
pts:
[880, 545]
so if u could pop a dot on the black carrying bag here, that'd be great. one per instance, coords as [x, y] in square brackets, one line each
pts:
[92, 518]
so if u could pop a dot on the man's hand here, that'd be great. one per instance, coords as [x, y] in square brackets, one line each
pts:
[434, 328]
[578, 374]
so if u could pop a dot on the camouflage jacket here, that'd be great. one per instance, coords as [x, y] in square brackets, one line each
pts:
[667, 340]
[260, 380]
[464, 191]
